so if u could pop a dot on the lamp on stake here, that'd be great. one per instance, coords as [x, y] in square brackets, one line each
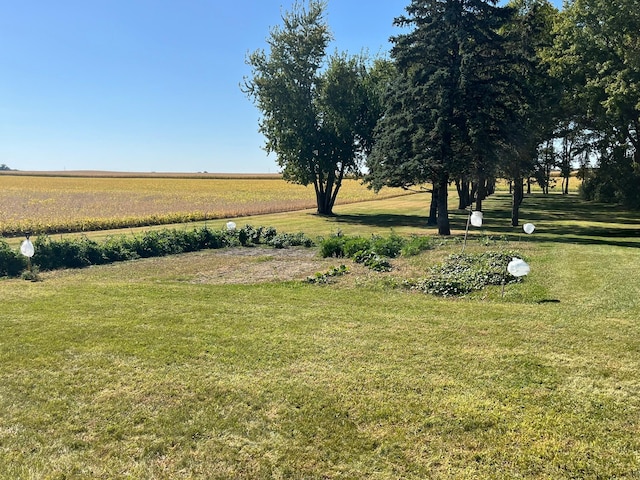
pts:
[475, 219]
[26, 248]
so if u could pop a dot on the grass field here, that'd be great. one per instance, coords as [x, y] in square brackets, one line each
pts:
[42, 203]
[201, 366]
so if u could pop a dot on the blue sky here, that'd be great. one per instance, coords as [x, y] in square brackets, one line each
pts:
[148, 85]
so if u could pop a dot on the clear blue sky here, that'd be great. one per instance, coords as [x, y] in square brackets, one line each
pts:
[148, 85]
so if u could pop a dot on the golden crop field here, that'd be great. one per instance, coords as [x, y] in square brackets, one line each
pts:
[41, 203]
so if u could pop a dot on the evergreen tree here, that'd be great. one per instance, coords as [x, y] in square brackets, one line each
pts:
[443, 116]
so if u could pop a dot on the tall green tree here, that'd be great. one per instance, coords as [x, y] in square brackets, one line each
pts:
[443, 118]
[598, 48]
[318, 111]
[534, 108]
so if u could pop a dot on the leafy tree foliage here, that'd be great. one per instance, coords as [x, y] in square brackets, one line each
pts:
[444, 112]
[534, 106]
[319, 111]
[597, 48]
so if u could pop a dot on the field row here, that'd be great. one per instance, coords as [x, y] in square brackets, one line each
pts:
[50, 204]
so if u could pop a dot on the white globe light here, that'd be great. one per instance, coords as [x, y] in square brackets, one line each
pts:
[476, 219]
[518, 267]
[231, 226]
[26, 248]
[528, 228]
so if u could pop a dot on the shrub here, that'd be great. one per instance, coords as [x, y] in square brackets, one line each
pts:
[65, 253]
[117, 249]
[208, 238]
[12, 263]
[286, 240]
[388, 246]
[332, 247]
[353, 245]
[373, 261]
[415, 245]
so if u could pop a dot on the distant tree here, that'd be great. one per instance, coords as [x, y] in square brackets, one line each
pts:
[4, 167]
[319, 111]
[597, 49]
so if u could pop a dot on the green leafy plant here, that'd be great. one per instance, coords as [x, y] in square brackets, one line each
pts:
[11, 261]
[390, 246]
[286, 240]
[463, 273]
[325, 277]
[373, 261]
[332, 246]
[82, 252]
[416, 244]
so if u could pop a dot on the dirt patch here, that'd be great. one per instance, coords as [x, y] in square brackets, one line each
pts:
[255, 265]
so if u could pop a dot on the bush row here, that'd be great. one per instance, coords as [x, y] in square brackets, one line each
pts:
[81, 252]
[375, 251]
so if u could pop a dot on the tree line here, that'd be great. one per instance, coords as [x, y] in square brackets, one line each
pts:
[470, 92]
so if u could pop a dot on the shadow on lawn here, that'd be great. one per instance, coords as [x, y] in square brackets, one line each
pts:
[384, 220]
[558, 218]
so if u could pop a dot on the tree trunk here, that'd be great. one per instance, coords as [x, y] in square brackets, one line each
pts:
[518, 194]
[443, 211]
[326, 193]
[433, 208]
[464, 198]
[480, 194]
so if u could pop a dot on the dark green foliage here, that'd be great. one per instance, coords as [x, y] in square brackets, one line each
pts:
[318, 111]
[286, 240]
[373, 261]
[373, 252]
[11, 262]
[416, 244]
[614, 182]
[390, 246]
[463, 273]
[596, 55]
[333, 246]
[66, 253]
[118, 249]
[354, 245]
[445, 112]
[248, 235]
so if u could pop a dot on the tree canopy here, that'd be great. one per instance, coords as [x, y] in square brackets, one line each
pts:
[318, 110]
[445, 112]
[597, 51]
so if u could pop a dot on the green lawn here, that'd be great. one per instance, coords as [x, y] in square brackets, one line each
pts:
[142, 370]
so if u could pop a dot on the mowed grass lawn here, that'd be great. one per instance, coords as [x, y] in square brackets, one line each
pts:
[144, 370]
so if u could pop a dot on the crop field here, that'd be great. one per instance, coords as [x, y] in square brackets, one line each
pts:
[75, 203]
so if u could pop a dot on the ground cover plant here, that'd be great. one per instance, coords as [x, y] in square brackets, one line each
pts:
[51, 204]
[215, 364]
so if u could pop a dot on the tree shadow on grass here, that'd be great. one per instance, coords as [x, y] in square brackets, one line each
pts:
[384, 220]
[558, 218]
